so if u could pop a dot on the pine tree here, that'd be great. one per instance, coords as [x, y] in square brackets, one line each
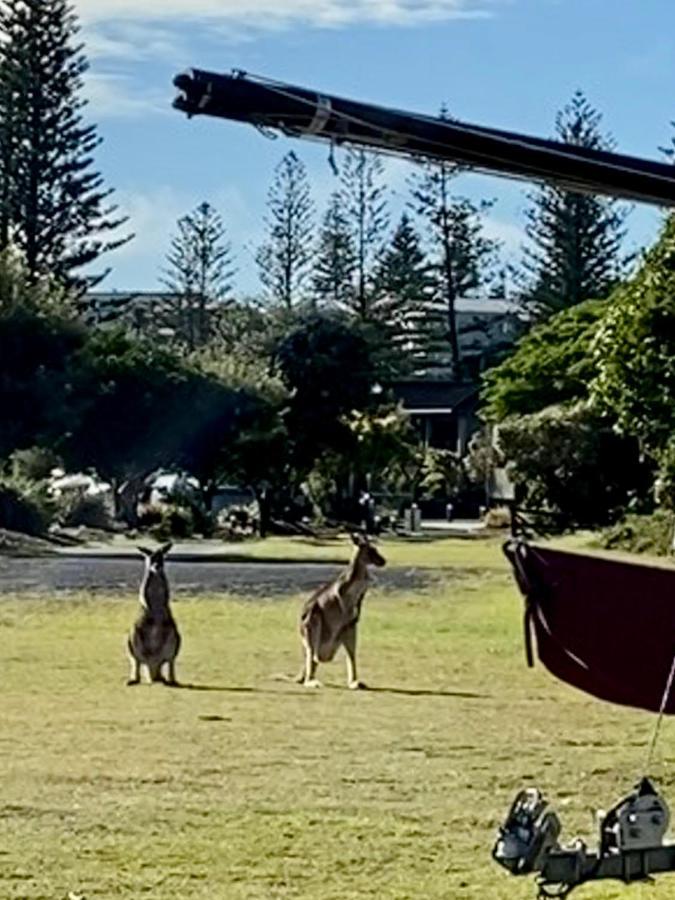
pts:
[335, 258]
[55, 208]
[669, 152]
[199, 273]
[461, 254]
[285, 259]
[575, 238]
[405, 287]
[365, 208]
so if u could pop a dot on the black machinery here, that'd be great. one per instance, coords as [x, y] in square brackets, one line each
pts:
[630, 844]
[299, 112]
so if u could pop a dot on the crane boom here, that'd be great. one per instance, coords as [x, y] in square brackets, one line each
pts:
[300, 112]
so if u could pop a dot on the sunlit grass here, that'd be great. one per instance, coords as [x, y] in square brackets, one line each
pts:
[248, 786]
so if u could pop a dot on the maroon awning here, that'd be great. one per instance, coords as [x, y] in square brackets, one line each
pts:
[602, 625]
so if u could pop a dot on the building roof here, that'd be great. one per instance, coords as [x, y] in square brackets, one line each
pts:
[432, 397]
[466, 305]
[486, 306]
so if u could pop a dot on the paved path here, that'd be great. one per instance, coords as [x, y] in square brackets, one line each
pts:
[122, 574]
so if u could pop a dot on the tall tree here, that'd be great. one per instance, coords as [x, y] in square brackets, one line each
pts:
[285, 259]
[336, 257]
[365, 208]
[575, 239]
[199, 273]
[669, 152]
[55, 207]
[405, 287]
[461, 253]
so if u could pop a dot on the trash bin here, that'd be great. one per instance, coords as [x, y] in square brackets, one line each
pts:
[412, 519]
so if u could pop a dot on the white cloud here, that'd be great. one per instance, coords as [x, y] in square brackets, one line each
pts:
[266, 14]
[113, 96]
[130, 41]
[510, 235]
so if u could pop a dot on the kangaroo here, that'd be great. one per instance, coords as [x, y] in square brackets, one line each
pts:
[154, 640]
[330, 617]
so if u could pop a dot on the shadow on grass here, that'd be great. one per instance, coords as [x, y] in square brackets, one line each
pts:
[227, 689]
[417, 692]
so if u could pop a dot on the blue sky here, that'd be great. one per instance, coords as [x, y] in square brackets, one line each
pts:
[505, 63]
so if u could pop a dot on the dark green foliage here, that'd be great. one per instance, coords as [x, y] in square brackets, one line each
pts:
[335, 262]
[461, 255]
[364, 203]
[405, 288]
[36, 380]
[635, 350]
[553, 363]
[199, 274]
[75, 508]
[54, 206]
[20, 512]
[571, 462]
[575, 238]
[131, 408]
[174, 522]
[34, 463]
[328, 366]
[641, 533]
[285, 259]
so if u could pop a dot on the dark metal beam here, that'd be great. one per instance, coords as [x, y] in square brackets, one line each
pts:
[305, 113]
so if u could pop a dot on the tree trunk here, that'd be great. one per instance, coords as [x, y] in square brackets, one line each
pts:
[264, 498]
[126, 500]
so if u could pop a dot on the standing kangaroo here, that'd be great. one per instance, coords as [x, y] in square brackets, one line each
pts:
[330, 617]
[154, 640]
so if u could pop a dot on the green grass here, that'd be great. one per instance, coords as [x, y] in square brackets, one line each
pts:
[252, 787]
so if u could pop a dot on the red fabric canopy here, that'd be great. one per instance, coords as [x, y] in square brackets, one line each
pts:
[602, 625]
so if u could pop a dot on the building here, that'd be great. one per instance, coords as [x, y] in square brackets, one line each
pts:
[442, 411]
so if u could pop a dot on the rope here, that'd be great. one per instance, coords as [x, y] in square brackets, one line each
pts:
[664, 703]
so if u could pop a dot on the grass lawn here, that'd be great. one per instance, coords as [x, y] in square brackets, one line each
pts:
[247, 786]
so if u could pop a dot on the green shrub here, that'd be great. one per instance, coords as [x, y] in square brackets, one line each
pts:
[34, 463]
[641, 534]
[75, 508]
[569, 461]
[23, 510]
[175, 522]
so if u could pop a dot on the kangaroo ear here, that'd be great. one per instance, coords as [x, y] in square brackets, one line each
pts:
[164, 549]
[357, 538]
[144, 551]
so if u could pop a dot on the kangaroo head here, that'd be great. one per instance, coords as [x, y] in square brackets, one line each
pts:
[368, 553]
[154, 559]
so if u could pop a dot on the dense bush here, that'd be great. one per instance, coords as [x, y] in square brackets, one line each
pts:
[24, 509]
[34, 463]
[641, 534]
[174, 522]
[635, 348]
[571, 462]
[75, 508]
[553, 363]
